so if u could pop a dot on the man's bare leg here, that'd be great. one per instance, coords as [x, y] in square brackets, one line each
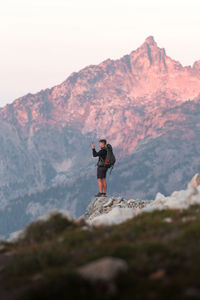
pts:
[104, 185]
[100, 183]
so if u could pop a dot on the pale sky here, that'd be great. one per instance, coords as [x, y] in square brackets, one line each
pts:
[44, 41]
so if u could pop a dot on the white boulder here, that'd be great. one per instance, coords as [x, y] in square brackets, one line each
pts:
[106, 268]
[115, 216]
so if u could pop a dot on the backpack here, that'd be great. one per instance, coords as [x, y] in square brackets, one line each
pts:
[110, 158]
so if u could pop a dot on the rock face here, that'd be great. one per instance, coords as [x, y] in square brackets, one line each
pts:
[146, 104]
[109, 211]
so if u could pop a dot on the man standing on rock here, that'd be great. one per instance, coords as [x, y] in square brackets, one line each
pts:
[101, 169]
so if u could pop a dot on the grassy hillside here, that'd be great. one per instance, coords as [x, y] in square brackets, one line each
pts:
[161, 248]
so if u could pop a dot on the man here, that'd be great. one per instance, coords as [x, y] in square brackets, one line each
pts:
[101, 169]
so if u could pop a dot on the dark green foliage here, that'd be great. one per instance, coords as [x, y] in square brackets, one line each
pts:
[42, 230]
[56, 248]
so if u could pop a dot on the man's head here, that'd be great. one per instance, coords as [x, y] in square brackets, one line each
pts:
[102, 143]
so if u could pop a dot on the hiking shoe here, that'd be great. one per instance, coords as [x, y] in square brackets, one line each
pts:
[98, 195]
[103, 195]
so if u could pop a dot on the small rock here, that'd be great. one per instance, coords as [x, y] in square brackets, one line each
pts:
[109, 203]
[86, 228]
[106, 268]
[157, 275]
[120, 199]
[130, 201]
[167, 220]
[192, 292]
[2, 247]
[195, 182]
[37, 277]
[188, 218]
[60, 239]
[80, 221]
[9, 253]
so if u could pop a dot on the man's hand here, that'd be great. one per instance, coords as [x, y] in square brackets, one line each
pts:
[92, 146]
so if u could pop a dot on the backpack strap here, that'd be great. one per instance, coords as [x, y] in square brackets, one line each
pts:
[111, 169]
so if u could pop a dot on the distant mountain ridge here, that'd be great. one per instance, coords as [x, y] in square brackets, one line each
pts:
[146, 73]
[139, 102]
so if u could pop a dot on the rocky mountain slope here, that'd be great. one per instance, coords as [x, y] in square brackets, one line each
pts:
[145, 103]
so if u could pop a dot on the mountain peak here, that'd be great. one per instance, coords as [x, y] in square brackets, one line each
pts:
[196, 65]
[149, 54]
[150, 40]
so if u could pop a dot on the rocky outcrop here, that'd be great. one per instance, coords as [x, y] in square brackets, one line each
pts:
[114, 210]
[178, 199]
[109, 211]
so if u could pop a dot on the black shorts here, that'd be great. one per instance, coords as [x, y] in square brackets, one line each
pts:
[101, 172]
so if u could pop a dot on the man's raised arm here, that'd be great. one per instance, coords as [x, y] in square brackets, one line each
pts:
[94, 152]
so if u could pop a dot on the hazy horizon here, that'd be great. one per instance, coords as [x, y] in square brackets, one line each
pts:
[44, 41]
